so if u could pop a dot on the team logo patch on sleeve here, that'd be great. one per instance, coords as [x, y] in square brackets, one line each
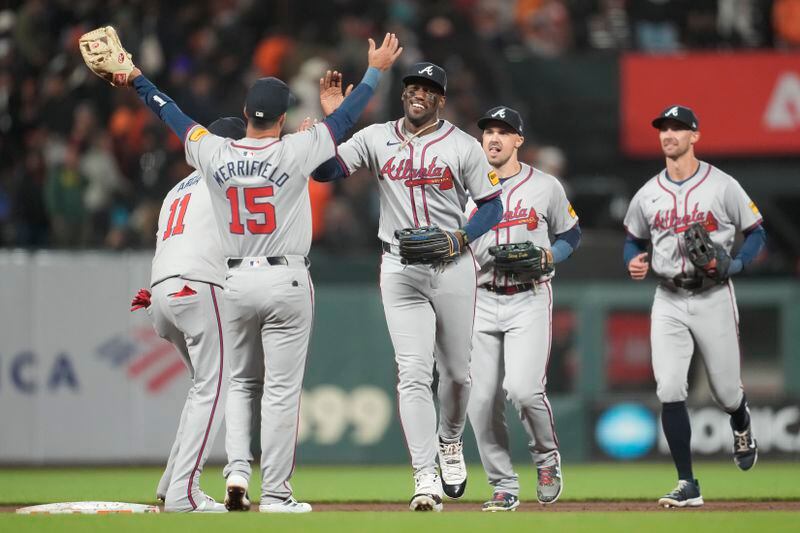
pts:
[198, 133]
[754, 209]
[571, 211]
[493, 179]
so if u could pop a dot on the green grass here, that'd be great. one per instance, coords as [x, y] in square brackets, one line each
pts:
[404, 522]
[583, 482]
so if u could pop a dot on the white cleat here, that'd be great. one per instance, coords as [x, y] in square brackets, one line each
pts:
[453, 468]
[289, 505]
[236, 497]
[204, 504]
[427, 492]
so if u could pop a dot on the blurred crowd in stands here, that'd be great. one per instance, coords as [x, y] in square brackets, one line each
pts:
[83, 165]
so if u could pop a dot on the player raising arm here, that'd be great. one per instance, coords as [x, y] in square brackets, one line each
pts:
[691, 212]
[425, 169]
[259, 193]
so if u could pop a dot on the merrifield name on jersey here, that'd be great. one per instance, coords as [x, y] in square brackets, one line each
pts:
[249, 169]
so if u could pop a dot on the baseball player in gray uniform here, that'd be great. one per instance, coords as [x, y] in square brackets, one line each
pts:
[513, 324]
[695, 305]
[186, 307]
[425, 168]
[259, 194]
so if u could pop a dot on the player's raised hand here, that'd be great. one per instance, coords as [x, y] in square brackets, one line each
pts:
[638, 267]
[330, 91]
[384, 57]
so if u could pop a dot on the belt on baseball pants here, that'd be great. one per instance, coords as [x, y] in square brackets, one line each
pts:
[285, 260]
[688, 284]
[509, 290]
[390, 248]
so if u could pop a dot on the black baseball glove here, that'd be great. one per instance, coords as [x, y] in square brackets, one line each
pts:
[710, 258]
[429, 245]
[524, 260]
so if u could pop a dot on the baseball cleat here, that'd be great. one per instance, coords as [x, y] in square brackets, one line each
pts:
[745, 448]
[501, 501]
[289, 505]
[204, 504]
[427, 493]
[236, 497]
[686, 494]
[549, 482]
[453, 468]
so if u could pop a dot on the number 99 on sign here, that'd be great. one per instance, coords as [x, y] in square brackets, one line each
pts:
[328, 411]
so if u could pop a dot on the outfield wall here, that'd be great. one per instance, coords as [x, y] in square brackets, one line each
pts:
[83, 380]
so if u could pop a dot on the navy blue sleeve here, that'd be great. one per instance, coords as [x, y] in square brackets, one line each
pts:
[754, 242]
[489, 213]
[348, 113]
[330, 170]
[566, 243]
[163, 106]
[633, 247]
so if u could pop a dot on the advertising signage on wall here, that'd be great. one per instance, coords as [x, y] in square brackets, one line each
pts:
[632, 430]
[747, 103]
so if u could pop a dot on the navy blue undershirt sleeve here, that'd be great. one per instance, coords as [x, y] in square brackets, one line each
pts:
[348, 113]
[754, 242]
[163, 106]
[489, 213]
[566, 243]
[633, 247]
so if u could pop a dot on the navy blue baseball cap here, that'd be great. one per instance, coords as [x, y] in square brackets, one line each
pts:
[679, 113]
[230, 127]
[503, 114]
[429, 72]
[268, 98]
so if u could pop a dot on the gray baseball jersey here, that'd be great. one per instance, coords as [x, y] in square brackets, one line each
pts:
[259, 188]
[187, 242]
[425, 180]
[681, 319]
[513, 333]
[662, 210]
[535, 206]
[259, 191]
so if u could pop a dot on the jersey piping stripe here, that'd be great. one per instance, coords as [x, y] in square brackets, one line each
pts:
[216, 397]
[547, 363]
[675, 207]
[255, 147]
[422, 165]
[696, 185]
[474, 300]
[508, 206]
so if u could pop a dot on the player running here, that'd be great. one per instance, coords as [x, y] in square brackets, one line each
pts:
[186, 307]
[513, 323]
[694, 303]
[259, 193]
[425, 167]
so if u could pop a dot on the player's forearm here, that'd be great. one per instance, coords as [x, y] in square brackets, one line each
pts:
[163, 106]
[633, 247]
[346, 115]
[566, 243]
[754, 242]
[489, 213]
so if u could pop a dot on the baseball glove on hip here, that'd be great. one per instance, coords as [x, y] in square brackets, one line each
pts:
[525, 261]
[708, 257]
[429, 245]
[103, 53]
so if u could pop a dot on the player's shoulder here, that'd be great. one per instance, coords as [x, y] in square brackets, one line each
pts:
[456, 133]
[717, 174]
[541, 176]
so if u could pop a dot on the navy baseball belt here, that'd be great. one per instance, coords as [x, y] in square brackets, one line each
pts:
[390, 248]
[691, 284]
[235, 262]
[508, 290]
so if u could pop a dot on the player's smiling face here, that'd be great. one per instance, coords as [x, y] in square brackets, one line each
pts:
[676, 138]
[422, 101]
[499, 142]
